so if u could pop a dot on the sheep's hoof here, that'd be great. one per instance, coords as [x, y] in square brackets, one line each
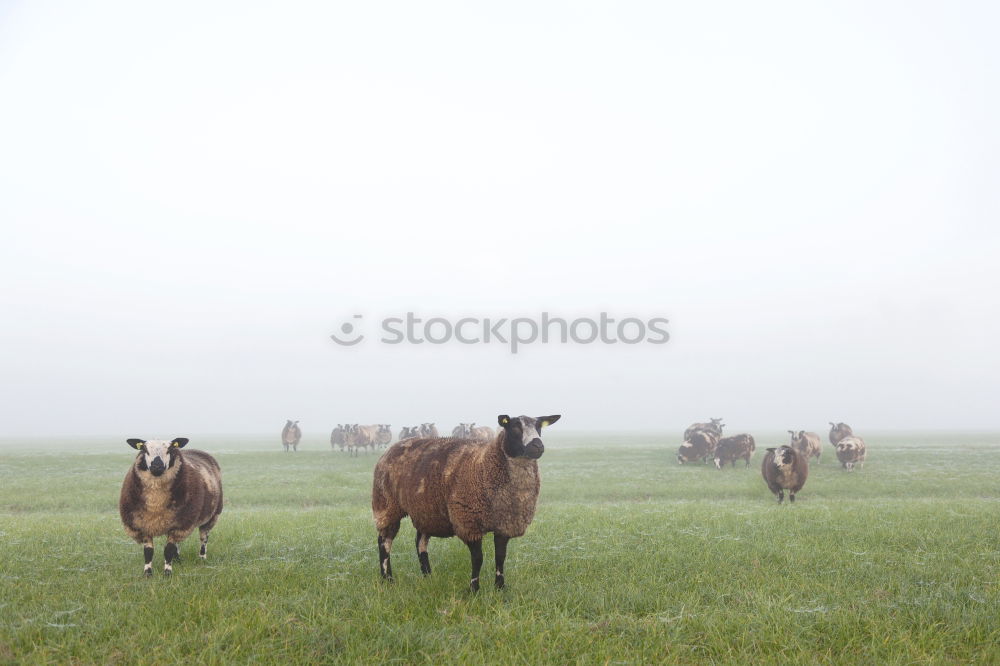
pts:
[167, 572]
[499, 582]
[474, 585]
[148, 573]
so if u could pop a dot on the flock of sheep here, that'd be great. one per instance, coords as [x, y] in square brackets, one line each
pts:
[356, 438]
[476, 482]
[784, 467]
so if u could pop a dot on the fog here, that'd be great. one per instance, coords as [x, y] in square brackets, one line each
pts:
[194, 198]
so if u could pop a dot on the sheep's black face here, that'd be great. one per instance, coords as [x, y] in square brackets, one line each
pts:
[522, 435]
[157, 456]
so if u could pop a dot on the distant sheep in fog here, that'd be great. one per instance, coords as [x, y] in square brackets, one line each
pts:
[851, 451]
[806, 443]
[731, 449]
[291, 435]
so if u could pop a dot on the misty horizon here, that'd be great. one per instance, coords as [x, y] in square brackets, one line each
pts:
[807, 194]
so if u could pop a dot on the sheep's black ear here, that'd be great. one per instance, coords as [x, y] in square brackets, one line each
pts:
[136, 443]
[179, 442]
[547, 420]
[503, 420]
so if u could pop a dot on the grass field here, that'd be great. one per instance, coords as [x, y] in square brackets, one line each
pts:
[631, 559]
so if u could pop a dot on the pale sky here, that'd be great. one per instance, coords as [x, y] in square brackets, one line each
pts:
[194, 196]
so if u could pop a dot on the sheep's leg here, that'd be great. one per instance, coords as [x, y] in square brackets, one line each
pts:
[500, 545]
[476, 550]
[147, 553]
[169, 554]
[791, 496]
[425, 561]
[203, 535]
[781, 496]
[385, 538]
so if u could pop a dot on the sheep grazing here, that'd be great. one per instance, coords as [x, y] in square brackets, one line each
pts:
[806, 443]
[784, 468]
[730, 449]
[291, 434]
[338, 437]
[170, 492]
[700, 445]
[850, 452]
[460, 487]
[429, 430]
[481, 433]
[715, 426]
[839, 431]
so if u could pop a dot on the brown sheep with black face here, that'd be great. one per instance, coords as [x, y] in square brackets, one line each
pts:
[806, 443]
[784, 468]
[460, 487]
[170, 492]
[731, 449]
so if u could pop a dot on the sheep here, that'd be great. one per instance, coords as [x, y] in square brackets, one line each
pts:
[429, 431]
[169, 492]
[715, 426]
[461, 431]
[784, 468]
[338, 437]
[460, 487]
[361, 437]
[851, 451]
[699, 446]
[409, 431]
[839, 431]
[291, 434]
[384, 435]
[482, 433]
[729, 449]
[806, 443]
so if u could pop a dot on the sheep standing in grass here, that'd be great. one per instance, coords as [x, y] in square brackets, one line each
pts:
[384, 436]
[170, 492]
[806, 443]
[784, 468]
[460, 487]
[731, 449]
[291, 435]
[429, 431]
[850, 452]
[338, 437]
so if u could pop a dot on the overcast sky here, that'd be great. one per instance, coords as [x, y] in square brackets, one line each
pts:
[195, 196]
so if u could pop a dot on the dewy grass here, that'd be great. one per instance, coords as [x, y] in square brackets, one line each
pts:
[631, 559]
